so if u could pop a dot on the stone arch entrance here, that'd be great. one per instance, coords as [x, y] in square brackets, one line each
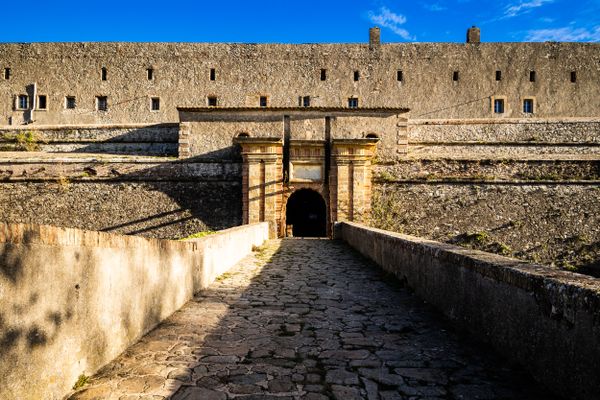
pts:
[306, 214]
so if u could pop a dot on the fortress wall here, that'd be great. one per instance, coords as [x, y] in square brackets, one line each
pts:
[141, 139]
[283, 73]
[543, 319]
[73, 300]
[129, 195]
[551, 222]
[532, 131]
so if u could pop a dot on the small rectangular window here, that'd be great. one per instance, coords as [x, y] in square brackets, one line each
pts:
[323, 74]
[155, 104]
[213, 74]
[263, 101]
[104, 74]
[399, 76]
[212, 101]
[101, 103]
[531, 76]
[42, 102]
[306, 101]
[6, 73]
[356, 76]
[528, 106]
[22, 102]
[498, 75]
[455, 76]
[498, 106]
[573, 76]
[70, 102]
[150, 74]
[353, 102]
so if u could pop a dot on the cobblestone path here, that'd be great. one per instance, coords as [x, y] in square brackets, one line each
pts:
[306, 319]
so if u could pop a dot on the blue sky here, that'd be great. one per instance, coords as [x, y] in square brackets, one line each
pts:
[306, 21]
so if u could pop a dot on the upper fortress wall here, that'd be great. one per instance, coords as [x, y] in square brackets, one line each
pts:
[286, 74]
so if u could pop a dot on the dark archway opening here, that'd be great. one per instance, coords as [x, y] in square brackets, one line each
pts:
[306, 213]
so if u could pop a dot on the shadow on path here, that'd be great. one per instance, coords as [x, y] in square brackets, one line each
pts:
[307, 319]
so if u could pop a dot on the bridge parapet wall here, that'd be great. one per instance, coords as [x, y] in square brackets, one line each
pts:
[72, 300]
[545, 319]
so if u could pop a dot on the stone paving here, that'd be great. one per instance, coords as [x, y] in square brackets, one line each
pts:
[306, 319]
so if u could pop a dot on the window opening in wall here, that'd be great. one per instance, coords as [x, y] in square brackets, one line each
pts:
[101, 103]
[356, 76]
[212, 101]
[6, 73]
[573, 76]
[70, 102]
[528, 106]
[372, 136]
[150, 73]
[103, 74]
[323, 74]
[353, 102]
[263, 101]
[399, 76]
[155, 104]
[243, 134]
[22, 102]
[455, 76]
[213, 74]
[531, 76]
[498, 75]
[306, 101]
[42, 102]
[498, 106]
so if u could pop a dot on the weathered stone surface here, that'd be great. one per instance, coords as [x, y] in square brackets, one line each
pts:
[248, 307]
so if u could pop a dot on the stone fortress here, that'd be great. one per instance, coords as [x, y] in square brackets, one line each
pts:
[494, 146]
[509, 116]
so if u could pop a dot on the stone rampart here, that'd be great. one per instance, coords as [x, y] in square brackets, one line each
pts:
[72, 300]
[546, 320]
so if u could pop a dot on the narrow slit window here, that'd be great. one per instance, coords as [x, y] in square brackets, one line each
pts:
[212, 101]
[104, 74]
[213, 74]
[498, 75]
[150, 74]
[573, 76]
[399, 76]
[356, 76]
[499, 106]
[155, 104]
[70, 102]
[528, 106]
[306, 101]
[455, 76]
[101, 103]
[531, 76]
[22, 102]
[42, 102]
[353, 102]
[6, 73]
[263, 101]
[323, 74]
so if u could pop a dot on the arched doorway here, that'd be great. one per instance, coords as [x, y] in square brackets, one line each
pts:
[306, 213]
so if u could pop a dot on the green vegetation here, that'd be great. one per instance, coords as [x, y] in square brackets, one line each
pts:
[198, 235]
[224, 276]
[24, 141]
[81, 381]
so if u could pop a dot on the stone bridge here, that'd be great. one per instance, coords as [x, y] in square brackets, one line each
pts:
[233, 315]
[307, 319]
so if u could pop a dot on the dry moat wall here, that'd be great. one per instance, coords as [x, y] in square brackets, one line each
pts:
[72, 300]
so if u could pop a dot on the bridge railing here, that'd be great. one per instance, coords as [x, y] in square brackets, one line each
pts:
[542, 318]
[72, 300]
